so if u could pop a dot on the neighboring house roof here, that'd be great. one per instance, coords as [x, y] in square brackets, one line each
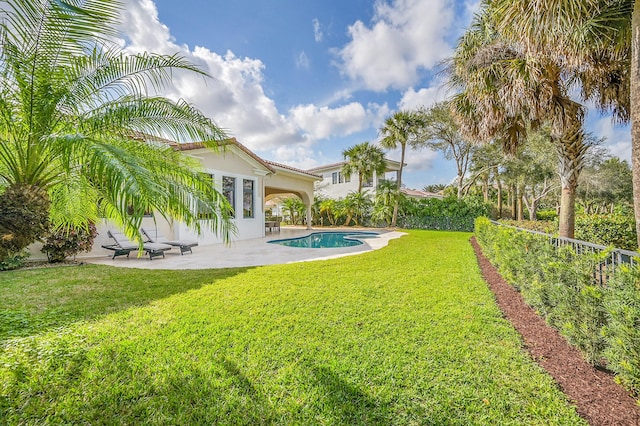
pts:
[292, 169]
[392, 166]
[415, 193]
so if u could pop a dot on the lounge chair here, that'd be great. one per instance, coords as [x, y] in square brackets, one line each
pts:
[124, 246]
[154, 236]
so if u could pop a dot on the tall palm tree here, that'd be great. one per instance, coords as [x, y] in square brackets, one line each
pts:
[402, 129]
[365, 159]
[598, 44]
[508, 90]
[74, 110]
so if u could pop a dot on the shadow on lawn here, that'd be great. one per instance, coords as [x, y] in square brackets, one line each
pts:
[347, 403]
[36, 300]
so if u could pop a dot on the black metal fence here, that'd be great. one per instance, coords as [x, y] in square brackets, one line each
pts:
[603, 269]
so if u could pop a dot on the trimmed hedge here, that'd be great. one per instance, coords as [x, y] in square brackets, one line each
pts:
[448, 214]
[610, 230]
[602, 321]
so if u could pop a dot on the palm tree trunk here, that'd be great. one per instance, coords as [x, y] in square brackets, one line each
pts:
[635, 112]
[394, 220]
[571, 151]
[567, 213]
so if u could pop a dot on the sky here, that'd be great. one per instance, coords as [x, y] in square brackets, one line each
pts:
[297, 82]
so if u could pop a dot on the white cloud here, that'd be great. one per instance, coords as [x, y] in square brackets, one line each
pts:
[234, 97]
[415, 160]
[618, 138]
[302, 61]
[324, 122]
[424, 97]
[317, 31]
[405, 37]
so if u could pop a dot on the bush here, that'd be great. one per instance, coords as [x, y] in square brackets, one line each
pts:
[602, 321]
[610, 230]
[13, 260]
[547, 214]
[622, 331]
[449, 214]
[24, 218]
[548, 227]
[65, 243]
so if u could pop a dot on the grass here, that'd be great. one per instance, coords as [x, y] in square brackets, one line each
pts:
[409, 334]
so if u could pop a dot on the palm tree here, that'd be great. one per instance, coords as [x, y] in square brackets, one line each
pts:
[364, 159]
[598, 45]
[508, 90]
[401, 129]
[76, 117]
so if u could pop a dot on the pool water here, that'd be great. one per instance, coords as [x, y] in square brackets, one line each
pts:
[326, 240]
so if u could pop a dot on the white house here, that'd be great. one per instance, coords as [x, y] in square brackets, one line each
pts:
[243, 177]
[335, 185]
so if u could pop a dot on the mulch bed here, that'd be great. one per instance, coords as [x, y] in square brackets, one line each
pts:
[598, 398]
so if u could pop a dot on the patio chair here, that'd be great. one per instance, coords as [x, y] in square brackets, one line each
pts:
[124, 246]
[154, 236]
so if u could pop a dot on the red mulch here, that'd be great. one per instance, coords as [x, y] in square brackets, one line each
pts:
[598, 398]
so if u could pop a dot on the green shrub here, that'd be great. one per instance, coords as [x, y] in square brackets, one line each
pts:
[610, 230]
[24, 218]
[547, 214]
[548, 227]
[602, 321]
[622, 332]
[13, 260]
[449, 214]
[65, 243]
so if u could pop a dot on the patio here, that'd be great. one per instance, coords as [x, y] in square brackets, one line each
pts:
[254, 252]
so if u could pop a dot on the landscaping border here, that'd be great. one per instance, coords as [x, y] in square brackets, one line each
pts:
[598, 398]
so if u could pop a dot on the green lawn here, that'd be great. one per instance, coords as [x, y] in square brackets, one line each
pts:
[409, 334]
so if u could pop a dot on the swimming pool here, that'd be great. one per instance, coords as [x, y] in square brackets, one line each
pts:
[326, 240]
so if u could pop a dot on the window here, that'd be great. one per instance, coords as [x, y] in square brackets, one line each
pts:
[229, 192]
[334, 178]
[347, 179]
[247, 198]
[368, 183]
[340, 177]
[203, 211]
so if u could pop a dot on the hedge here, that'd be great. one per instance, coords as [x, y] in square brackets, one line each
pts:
[448, 214]
[603, 321]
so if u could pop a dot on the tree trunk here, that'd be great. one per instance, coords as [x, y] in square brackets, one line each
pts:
[571, 151]
[635, 112]
[533, 208]
[514, 202]
[396, 204]
[520, 203]
[499, 184]
[567, 212]
[485, 187]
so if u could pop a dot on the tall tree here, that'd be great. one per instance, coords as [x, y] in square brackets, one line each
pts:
[508, 90]
[442, 133]
[597, 42]
[73, 111]
[402, 129]
[365, 159]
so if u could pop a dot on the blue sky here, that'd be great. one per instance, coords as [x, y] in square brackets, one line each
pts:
[299, 81]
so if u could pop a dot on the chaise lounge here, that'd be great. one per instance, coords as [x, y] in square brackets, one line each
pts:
[154, 236]
[124, 246]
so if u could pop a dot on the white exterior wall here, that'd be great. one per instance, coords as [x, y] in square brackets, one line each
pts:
[327, 189]
[233, 163]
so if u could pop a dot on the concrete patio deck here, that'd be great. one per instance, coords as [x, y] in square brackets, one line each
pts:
[255, 252]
